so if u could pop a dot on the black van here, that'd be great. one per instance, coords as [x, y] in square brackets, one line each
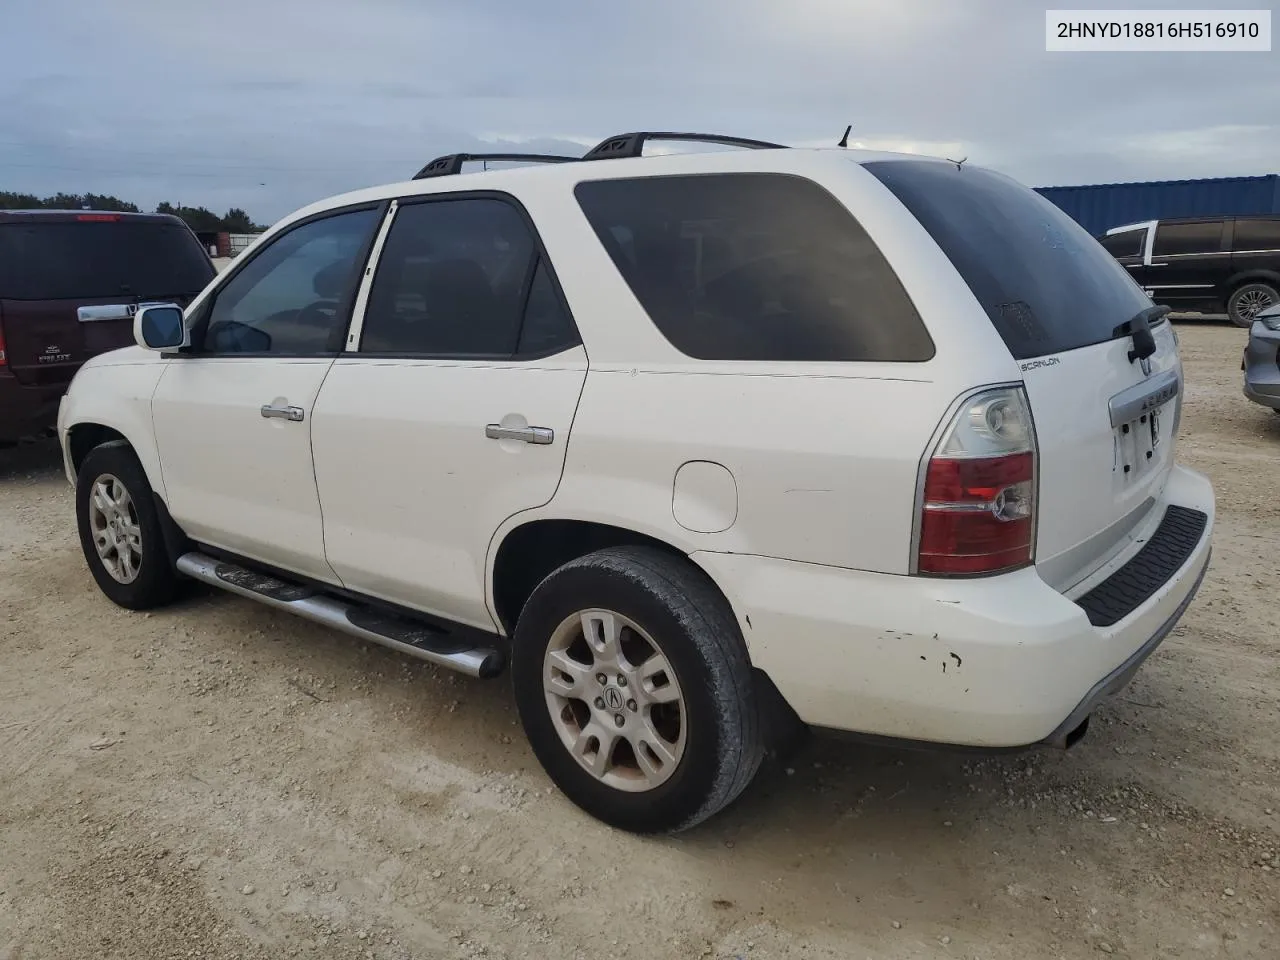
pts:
[1225, 265]
[70, 283]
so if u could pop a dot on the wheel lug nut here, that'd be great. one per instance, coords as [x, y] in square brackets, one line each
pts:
[601, 679]
[599, 703]
[619, 719]
[631, 705]
[622, 680]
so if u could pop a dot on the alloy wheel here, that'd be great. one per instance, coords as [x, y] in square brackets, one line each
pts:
[1252, 303]
[115, 528]
[614, 700]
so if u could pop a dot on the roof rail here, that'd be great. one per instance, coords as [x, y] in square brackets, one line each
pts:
[452, 163]
[631, 144]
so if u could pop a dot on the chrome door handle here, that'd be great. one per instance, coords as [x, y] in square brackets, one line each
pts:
[540, 435]
[282, 413]
[108, 311]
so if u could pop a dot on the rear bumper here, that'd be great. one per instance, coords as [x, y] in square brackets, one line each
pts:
[1262, 367]
[1119, 678]
[995, 662]
[27, 411]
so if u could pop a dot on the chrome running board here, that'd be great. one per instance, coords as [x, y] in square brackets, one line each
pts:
[411, 637]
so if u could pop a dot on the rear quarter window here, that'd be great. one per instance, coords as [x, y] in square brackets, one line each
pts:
[1045, 283]
[764, 267]
[1258, 235]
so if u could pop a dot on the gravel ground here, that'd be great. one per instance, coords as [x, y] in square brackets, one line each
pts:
[217, 780]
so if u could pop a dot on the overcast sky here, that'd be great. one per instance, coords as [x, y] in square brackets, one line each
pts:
[270, 104]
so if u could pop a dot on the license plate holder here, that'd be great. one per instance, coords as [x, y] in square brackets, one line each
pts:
[1138, 442]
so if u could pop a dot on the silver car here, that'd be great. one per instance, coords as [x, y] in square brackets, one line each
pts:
[1261, 363]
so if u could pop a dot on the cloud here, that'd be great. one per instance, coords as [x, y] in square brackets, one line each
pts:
[271, 104]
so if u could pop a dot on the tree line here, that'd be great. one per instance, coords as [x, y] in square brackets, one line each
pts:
[200, 219]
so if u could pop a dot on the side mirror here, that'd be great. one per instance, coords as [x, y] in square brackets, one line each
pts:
[159, 326]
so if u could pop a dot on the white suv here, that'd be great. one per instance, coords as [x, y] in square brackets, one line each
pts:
[690, 444]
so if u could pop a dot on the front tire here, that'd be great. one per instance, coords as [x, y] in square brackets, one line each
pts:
[635, 690]
[1248, 299]
[120, 530]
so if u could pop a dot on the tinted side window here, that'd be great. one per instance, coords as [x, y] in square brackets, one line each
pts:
[1176, 238]
[547, 326]
[1257, 235]
[754, 267]
[1127, 244]
[293, 296]
[452, 280]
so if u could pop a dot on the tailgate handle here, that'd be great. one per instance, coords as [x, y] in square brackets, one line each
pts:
[106, 311]
[1128, 405]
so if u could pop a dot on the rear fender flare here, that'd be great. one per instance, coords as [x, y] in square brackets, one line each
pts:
[680, 542]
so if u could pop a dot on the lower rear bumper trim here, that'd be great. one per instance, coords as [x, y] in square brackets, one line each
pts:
[1119, 678]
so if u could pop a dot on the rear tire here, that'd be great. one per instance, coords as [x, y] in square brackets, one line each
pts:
[666, 642]
[120, 530]
[1249, 298]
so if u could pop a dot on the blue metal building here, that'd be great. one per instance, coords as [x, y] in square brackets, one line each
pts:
[1106, 205]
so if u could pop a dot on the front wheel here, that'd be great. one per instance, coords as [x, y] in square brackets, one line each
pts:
[634, 688]
[1247, 301]
[120, 530]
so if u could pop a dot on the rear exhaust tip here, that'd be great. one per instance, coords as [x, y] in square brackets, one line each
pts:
[1064, 738]
[1076, 735]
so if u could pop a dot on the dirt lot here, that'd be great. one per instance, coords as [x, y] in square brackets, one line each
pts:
[217, 780]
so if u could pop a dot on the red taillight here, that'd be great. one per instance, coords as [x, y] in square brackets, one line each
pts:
[977, 509]
[978, 515]
[99, 217]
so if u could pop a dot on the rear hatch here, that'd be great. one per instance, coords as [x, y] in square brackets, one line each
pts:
[71, 282]
[1105, 421]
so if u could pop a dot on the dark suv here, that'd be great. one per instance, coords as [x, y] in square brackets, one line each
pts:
[1204, 264]
[70, 284]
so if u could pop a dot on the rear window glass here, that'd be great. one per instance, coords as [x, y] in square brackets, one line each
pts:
[68, 260]
[1047, 285]
[1127, 244]
[754, 267]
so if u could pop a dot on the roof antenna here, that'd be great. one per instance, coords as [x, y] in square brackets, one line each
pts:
[844, 141]
[959, 163]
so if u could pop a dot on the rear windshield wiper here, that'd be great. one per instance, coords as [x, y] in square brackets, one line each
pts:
[1139, 327]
